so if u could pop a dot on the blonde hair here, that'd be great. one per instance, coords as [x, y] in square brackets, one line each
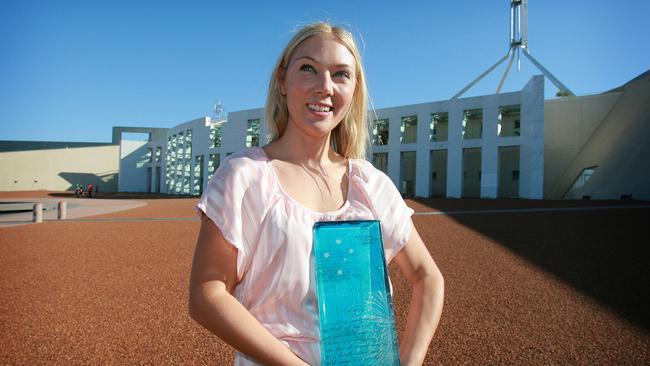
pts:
[350, 138]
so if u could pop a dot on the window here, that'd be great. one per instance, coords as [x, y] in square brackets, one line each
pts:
[188, 145]
[380, 161]
[439, 127]
[213, 165]
[197, 184]
[409, 130]
[186, 177]
[179, 147]
[172, 150]
[509, 120]
[168, 163]
[158, 153]
[472, 124]
[380, 132]
[253, 133]
[215, 136]
[407, 173]
[580, 182]
[149, 154]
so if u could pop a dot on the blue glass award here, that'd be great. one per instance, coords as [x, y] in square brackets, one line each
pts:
[356, 319]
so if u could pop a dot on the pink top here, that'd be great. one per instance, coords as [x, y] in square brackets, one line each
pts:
[273, 235]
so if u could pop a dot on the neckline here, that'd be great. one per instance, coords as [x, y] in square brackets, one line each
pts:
[336, 212]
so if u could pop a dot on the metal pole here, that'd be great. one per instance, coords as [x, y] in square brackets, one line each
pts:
[37, 216]
[519, 23]
[512, 24]
[548, 74]
[62, 210]
[481, 76]
[505, 74]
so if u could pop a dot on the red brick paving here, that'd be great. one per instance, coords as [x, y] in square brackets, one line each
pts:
[115, 292]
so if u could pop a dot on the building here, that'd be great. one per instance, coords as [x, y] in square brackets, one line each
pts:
[507, 145]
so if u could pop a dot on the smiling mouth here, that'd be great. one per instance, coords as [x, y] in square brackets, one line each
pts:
[319, 108]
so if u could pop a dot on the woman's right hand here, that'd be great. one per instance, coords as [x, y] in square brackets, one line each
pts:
[211, 303]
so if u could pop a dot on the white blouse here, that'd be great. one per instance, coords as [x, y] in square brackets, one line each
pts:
[273, 235]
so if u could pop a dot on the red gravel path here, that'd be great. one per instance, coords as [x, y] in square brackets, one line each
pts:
[521, 288]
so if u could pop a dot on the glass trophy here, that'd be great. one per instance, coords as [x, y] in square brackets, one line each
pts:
[356, 319]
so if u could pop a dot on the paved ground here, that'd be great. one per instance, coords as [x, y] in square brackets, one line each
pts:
[527, 282]
[13, 205]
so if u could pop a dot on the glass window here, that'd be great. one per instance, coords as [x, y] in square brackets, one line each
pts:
[188, 145]
[186, 177]
[172, 150]
[407, 173]
[471, 184]
[168, 165]
[253, 133]
[158, 153]
[380, 132]
[509, 120]
[179, 146]
[197, 184]
[380, 161]
[409, 129]
[149, 155]
[580, 182]
[215, 136]
[472, 124]
[213, 165]
[439, 127]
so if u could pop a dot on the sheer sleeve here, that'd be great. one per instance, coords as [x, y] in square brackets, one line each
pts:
[225, 203]
[389, 208]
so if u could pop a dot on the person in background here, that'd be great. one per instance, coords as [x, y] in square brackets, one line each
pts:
[78, 191]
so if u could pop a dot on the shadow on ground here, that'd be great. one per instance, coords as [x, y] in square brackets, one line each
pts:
[106, 181]
[603, 253]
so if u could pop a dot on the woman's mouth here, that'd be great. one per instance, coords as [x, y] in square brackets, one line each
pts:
[319, 108]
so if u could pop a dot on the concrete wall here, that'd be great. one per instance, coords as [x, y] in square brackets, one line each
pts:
[569, 123]
[615, 128]
[531, 141]
[60, 169]
[133, 166]
[233, 139]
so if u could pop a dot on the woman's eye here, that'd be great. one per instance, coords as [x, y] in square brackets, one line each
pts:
[307, 67]
[344, 74]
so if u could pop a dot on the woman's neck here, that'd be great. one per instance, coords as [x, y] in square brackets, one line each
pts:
[303, 150]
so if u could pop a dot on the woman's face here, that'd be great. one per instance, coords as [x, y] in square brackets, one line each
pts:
[318, 83]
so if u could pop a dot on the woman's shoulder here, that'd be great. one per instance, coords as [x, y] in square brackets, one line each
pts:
[365, 170]
[246, 159]
[246, 164]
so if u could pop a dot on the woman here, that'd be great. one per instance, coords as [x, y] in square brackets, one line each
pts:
[250, 276]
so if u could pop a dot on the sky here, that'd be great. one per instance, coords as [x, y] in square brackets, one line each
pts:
[71, 70]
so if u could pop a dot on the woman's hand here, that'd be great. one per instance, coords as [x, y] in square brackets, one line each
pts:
[211, 304]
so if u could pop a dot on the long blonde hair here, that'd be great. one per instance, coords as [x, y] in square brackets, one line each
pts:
[350, 138]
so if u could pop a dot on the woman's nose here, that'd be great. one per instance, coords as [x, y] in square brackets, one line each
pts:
[325, 84]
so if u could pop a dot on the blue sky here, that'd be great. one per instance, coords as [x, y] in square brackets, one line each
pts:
[71, 70]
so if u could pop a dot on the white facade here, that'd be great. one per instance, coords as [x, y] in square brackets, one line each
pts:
[530, 141]
[189, 155]
[187, 171]
[133, 160]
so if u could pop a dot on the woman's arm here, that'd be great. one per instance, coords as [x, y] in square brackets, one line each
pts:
[211, 304]
[415, 263]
